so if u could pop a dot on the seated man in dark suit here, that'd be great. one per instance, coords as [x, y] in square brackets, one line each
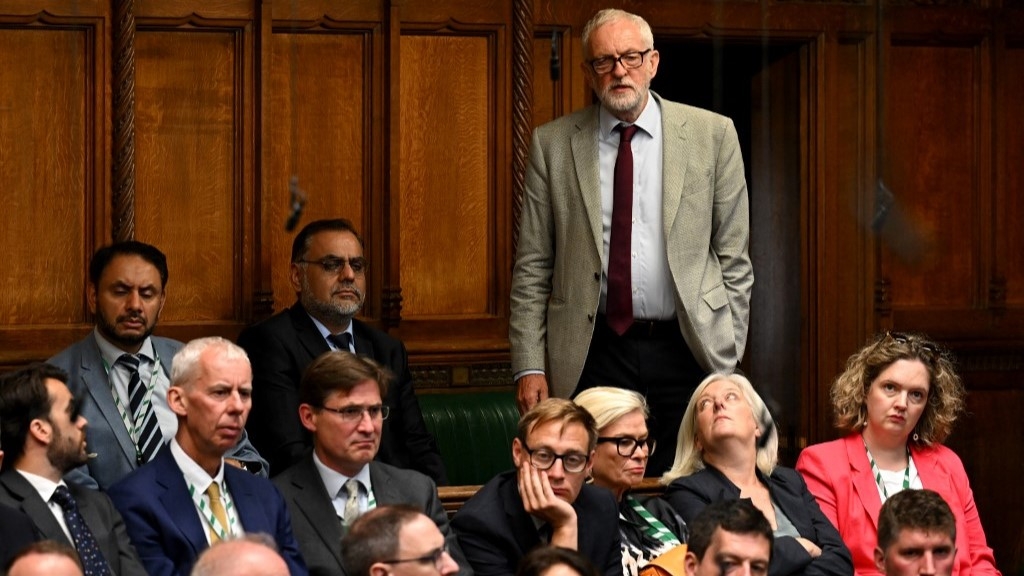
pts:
[545, 499]
[16, 531]
[45, 437]
[341, 405]
[186, 497]
[397, 541]
[120, 371]
[328, 273]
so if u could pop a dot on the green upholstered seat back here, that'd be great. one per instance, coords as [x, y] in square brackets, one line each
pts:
[474, 431]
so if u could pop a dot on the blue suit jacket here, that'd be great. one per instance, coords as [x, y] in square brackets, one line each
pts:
[107, 435]
[166, 530]
[495, 531]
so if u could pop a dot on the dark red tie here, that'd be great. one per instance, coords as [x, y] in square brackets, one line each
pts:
[619, 307]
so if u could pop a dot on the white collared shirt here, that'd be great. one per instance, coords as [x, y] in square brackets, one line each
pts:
[46, 487]
[652, 284]
[324, 333]
[334, 483]
[197, 479]
[150, 370]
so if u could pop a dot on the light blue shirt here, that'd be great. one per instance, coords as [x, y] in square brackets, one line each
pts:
[653, 297]
[334, 483]
[324, 332]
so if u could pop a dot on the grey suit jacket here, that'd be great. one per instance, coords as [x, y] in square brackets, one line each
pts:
[316, 524]
[106, 433]
[556, 283]
[100, 516]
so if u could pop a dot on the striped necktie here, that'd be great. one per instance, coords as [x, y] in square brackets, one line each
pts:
[147, 430]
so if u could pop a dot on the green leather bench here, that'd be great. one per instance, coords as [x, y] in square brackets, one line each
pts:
[474, 431]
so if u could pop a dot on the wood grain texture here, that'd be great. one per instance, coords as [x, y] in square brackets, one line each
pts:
[931, 246]
[319, 131]
[446, 185]
[1009, 233]
[44, 188]
[188, 166]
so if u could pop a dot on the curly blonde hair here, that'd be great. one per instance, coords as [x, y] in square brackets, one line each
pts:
[945, 389]
[689, 458]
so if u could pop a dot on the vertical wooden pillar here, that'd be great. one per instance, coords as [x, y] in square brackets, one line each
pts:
[522, 105]
[123, 104]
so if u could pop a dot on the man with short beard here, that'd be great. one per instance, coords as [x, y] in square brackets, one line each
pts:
[120, 372]
[328, 274]
[632, 267]
[44, 436]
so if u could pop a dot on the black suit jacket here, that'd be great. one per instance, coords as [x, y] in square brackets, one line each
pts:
[495, 531]
[690, 494]
[281, 347]
[16, 532]
[100, 516]
[316, 524]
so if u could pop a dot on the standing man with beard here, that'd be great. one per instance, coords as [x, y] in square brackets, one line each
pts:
[120, 373]
[632, 267]
[44, 434]
[328, 274]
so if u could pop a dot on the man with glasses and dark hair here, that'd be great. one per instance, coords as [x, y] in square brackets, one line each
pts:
[544, 500]
[44, 436]
[632, 266]
[396, 541]
[328, 274]
[341, 405]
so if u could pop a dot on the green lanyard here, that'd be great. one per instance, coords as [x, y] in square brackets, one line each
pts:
[207, 512]
[652, 527]
[878, 473]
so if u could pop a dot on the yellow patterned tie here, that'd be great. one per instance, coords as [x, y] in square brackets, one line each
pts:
[218, 511]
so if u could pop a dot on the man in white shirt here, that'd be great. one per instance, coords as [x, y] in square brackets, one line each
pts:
[44, 436]
[341, 399]
[186, 498]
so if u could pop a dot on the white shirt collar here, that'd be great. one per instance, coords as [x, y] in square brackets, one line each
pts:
[334, 480]
[111, 353]
[649, 120]
[194, 474]
[44, 486]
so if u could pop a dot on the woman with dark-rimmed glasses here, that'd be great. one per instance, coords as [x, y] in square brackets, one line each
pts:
[896, 401]
[648, 526]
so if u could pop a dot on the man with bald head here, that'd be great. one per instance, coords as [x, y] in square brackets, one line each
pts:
[187, 498]
[250, 555]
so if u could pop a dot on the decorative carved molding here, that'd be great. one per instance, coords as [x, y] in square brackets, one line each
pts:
[458, 376]
[997, 295]
[883, 297]
[391, 307]
[990, 361]
[123, 104]
[522, 105]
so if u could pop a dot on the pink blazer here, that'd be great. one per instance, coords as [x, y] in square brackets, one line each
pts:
[839, 476]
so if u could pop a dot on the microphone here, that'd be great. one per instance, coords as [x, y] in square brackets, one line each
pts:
[556, 61]
[92, 455]
[298, 203]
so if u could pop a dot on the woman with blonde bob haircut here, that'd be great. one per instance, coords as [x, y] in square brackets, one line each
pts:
[896, 402]
[728, 449]
[648, 526]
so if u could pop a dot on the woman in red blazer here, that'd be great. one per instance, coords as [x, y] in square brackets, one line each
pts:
[897, 400]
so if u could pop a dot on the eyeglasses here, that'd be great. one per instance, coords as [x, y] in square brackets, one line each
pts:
[627, 445]
[355, 412]
[629, 61]
[544, 459]
[434, 556]
[332, 265]
[927, 351]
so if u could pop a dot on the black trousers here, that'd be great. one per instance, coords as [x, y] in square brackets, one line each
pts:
[651, 358]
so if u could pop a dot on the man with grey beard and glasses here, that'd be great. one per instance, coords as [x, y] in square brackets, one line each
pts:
[328, 274]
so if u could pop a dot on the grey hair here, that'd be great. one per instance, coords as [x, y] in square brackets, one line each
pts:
[611, 14]
[689, 458]
[185, 366]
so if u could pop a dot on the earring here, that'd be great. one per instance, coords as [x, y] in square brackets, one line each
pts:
[916, 437]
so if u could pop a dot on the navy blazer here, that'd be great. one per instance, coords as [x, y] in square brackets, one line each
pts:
[690, 494]
[106, 434]
[495, 531]
[281, 348]
[316, 524]
[106, 525]
[165, 527]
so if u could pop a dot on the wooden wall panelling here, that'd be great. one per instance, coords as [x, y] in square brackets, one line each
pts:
[1007, 293]
[195, 158]
[52, 172]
